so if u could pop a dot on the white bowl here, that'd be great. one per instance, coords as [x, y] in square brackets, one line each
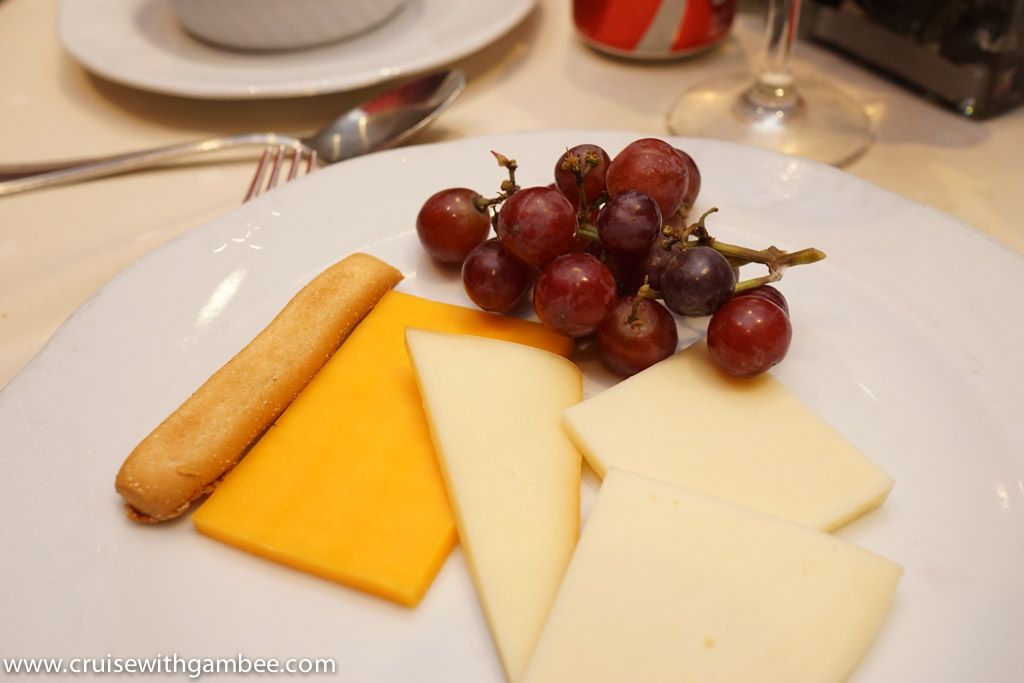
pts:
[280, 24]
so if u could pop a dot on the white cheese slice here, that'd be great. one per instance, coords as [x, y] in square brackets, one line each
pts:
[670, 585]
[512, 475]
[750, 441]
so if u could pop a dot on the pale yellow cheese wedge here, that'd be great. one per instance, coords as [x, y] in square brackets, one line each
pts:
[670, 585]
[750, 441]
[513, 477]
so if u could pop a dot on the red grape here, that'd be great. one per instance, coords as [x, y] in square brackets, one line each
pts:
[536, 225]
[651, 166]
[693, 180]
[573, 294]
[631, 270]
[696, 281]
[653, 265]
[767, 292]
[494, 279]
[450, 225]
[748, 335]
[625, 268]
[629, 342]
[629, 221]
[593, 182]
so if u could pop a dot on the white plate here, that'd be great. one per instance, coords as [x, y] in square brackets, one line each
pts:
[140, 43]
[907, 339]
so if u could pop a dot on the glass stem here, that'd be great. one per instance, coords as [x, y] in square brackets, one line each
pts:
[774, 86]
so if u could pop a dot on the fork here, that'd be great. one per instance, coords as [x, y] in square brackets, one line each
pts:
[272, 160]
[385, 121]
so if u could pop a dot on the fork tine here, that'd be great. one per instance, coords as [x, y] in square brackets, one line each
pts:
[273, 159]
[293, 168]
[257, 179]
[275, 170]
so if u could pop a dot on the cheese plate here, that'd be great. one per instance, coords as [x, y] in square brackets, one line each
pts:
[904, 341]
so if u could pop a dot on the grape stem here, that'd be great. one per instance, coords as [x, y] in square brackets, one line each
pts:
[507, 189]
[588, 231]
[580, 168]
[698, 229]
[511, 166]
[645, 292]
[777, 260]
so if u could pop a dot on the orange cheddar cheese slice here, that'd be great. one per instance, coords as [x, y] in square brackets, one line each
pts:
[345, 484]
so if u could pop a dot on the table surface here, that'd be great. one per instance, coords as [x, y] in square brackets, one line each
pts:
[59, 246]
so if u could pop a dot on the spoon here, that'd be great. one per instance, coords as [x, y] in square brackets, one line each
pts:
[382, 122]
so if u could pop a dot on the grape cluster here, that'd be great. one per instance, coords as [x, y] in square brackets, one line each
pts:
[608, 253]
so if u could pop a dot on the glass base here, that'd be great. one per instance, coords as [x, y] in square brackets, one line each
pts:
[809, 118]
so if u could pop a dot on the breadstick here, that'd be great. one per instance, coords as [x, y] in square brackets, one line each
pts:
[186, 455]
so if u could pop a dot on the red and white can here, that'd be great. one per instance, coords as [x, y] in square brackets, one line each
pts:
[653, 29]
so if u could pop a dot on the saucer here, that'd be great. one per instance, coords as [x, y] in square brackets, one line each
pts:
[139, 43]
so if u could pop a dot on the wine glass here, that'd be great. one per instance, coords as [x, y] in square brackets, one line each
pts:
[811, 119]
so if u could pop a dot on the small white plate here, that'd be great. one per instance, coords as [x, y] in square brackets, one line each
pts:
[907, 339]
[140, 43]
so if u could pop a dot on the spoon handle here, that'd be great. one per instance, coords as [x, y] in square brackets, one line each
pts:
[23, 178]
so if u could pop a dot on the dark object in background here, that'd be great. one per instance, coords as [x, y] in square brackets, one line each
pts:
[967, 54]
